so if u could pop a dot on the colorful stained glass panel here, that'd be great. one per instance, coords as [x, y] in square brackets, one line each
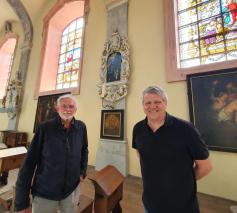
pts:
[59, 86]
[62, 58]
[71, 36]
[209, 9]
[70, 53]
[66, 85]
[60, 68]
[63, 48]
[189, 50]
[72, 27]
[74, 84]
[231, 44]
[187, 17]
[210, 27]
[64, 39]
[231, 35]
[75, 64]
[77, 53]
[184, 4]
[77, 43]
[60, 78]
[232, 55]
[207, 31]
[189, 63]
[188, 33]
[213, 59]
[74, 75]
[80, 23]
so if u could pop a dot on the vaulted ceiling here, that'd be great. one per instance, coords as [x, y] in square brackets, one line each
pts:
[33, 7]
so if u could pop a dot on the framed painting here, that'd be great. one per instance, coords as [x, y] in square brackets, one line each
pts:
[213, 107]
[114, 61]
[46, 108]
[112, 124]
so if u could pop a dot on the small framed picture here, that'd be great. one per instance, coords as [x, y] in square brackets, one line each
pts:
[112, 124]
[46, 108]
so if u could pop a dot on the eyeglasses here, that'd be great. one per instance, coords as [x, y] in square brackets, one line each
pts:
[68, 106]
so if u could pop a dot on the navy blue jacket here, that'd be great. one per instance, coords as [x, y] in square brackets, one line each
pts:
[56, 158]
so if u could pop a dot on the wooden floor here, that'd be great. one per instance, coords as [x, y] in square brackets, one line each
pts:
[132, 192]
[132, 203]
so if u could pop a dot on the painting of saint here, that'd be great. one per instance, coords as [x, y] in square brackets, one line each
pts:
[114, 67]
[112, 124]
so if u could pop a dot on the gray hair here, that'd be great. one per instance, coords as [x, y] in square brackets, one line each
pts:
[67, 96]
[155, 90]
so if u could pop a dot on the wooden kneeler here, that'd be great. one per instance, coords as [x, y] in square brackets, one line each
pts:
[108, 184]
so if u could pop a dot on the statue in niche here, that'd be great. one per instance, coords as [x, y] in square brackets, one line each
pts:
[12, 98]
[13, 94]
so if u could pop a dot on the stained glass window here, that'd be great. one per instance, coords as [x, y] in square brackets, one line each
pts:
[70, 55]
[207, 31]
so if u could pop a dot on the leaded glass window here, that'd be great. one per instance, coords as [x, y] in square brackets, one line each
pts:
[207, 31]
[70, 55]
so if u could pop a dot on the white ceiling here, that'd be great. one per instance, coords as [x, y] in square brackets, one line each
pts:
[33, 7]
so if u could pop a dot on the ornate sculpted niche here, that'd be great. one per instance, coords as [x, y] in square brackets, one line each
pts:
[115, 71]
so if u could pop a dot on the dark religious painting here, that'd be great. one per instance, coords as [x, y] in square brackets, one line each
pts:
[114, 67]
[213, 107]
[112, 124]
[46, 108]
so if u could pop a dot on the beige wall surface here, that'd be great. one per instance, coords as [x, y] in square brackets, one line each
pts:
[146, 39]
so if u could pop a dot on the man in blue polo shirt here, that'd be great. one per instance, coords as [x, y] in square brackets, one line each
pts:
[172, 157]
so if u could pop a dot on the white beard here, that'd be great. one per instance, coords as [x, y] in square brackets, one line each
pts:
[66, 117]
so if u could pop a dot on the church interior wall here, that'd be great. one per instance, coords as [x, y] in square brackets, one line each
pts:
[146, 39]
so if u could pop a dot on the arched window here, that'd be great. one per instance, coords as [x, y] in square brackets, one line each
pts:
[70, 54]
[62, 50]
[202, 36]
[7, 49]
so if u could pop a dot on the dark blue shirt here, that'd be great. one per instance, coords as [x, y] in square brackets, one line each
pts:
[167, 157]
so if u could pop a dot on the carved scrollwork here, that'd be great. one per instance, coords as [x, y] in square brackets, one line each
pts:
[115, 70]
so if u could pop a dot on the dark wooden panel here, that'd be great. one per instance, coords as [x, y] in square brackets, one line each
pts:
[12, 162]
[14, 138]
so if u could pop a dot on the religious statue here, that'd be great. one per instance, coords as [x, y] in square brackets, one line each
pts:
[12, 98]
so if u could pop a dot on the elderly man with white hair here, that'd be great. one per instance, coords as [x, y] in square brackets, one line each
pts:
[55, 164]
